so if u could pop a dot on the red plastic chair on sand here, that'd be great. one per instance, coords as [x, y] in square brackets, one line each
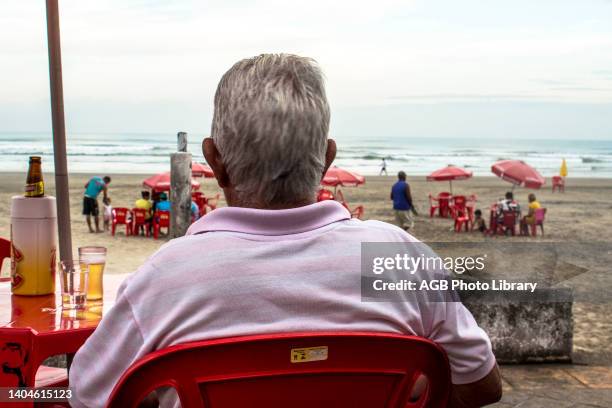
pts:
[121, 216]
[471, 204]
[140, 220]
[463, 218]
[558, 183]
[5, 252]
[298, 370]
[458, 204]
[443, 204]
[325, 194]
[539, 215]
[161, 219]
[508, 224]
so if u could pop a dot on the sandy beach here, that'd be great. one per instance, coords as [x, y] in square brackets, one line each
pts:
[580, 215]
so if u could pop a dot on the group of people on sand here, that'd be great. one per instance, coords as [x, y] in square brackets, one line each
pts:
[509, 204]
[404, 209]
[150, 203]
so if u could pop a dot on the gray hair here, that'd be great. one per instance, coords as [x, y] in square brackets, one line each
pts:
[270, 126]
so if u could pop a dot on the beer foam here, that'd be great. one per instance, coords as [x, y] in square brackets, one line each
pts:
[92, 259]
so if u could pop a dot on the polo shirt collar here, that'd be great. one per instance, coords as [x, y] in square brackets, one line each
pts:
[271, 222]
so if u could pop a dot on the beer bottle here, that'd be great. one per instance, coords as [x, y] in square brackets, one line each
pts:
[35, 187]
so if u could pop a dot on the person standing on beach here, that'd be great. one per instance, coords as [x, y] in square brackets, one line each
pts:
[93, 187]
[383, 167]
[402, 202]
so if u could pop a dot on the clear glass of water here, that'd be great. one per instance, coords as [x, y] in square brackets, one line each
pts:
[74, 285]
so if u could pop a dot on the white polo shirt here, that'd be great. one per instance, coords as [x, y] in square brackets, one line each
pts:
[242, 271]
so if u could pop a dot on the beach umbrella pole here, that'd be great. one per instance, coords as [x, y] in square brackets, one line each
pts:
[59, 131]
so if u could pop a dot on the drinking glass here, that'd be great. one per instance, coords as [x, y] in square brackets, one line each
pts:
[74, 285]
[93, 259]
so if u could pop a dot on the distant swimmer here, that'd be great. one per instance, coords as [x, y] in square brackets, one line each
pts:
[383, 167]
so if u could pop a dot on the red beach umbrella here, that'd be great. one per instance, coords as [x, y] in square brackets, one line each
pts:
[201, 170]
[336, 176]
[161, 182]
[450, 173]
[518, 173]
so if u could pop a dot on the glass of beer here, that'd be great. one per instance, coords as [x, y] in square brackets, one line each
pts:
[74, 285]
[93, 259]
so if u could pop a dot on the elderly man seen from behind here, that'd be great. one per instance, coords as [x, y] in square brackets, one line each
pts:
[274, 260]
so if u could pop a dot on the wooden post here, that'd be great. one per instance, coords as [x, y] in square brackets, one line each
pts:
[59, 131]
[181, 139]
[180, 193]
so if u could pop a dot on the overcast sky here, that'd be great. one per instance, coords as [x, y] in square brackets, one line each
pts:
[452, 68]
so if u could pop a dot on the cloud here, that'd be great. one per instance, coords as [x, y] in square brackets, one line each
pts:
[164, 54]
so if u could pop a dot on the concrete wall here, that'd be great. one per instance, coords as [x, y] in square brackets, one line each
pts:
[526, 331]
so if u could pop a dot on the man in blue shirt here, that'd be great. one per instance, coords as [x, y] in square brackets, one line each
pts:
[163, 204]
[402, 202]
[93, 187]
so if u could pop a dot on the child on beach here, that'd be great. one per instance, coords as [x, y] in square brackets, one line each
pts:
[479, 222]
[108, 210]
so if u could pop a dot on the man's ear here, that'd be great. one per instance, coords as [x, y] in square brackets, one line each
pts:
[330, 155]
[213, 158]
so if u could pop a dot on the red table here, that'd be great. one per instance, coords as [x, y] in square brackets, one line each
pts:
[33, 328]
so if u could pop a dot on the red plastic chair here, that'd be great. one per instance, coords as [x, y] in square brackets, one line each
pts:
[508, 224]
[458, 205]
[324, 194]
[298, 370]
[23, 369]
[463, 218]
[140, 220]
[160, 220]
[539, 215]
[121, 216]
[5, 252]
[433, 205]
[443, 199]
[558, 183]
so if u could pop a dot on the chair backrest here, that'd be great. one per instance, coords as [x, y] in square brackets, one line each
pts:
[140, 215]
[120, 215]
[459, 201]
[298, 370]
[163, 218]
[539, 214]
[444, 194]
[196, 194]
[509, 218]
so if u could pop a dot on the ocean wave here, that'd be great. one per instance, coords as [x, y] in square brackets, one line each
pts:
[592, 160]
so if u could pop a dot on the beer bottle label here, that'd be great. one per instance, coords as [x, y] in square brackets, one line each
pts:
[35, 189]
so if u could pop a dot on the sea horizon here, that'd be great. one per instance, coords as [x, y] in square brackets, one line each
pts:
[148, 153]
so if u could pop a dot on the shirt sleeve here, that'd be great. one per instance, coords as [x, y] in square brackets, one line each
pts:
[468, 347]
[112, 348]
